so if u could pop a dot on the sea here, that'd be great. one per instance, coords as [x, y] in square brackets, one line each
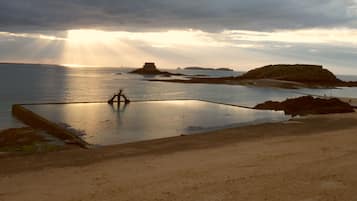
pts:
[37, 83]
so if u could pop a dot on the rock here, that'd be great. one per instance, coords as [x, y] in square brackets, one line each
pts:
[20, 137]
[307, 105]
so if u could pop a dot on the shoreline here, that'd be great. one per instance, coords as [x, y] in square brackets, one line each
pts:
[63, 133]
[308, 158]
[310, 125]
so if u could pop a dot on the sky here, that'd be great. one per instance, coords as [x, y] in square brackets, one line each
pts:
[240, 34]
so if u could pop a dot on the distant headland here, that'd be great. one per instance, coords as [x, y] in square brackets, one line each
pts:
[280, 76]
[296, 73]
[205, 68]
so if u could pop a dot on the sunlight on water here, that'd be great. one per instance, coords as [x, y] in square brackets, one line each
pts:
[45, 83]
[105, 124]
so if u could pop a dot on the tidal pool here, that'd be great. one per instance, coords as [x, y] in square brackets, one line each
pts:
[105, 124]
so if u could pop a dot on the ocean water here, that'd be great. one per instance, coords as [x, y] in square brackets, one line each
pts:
[45, 83]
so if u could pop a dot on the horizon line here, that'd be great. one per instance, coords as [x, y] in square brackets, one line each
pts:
[94, 66]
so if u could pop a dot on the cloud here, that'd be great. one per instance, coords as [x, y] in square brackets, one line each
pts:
[179, 32]
[207, 15]
[18, 48]
[340, 36]
[334, 48]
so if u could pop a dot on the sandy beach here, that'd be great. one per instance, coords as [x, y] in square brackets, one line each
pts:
[310, 158]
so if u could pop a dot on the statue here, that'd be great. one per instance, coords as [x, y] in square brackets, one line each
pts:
[118, 96]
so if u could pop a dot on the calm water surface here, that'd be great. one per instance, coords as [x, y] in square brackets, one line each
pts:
[104, 124]
[44, 83]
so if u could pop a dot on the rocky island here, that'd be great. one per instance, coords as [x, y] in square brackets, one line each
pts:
[149, 68]
[280, 76]
[297, 73]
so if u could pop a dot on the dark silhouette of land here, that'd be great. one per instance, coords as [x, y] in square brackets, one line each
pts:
[150, 68]
[296, 73]
[280, 76]
[307, 105]
[26, 140]
[205, 68]
[19, 137]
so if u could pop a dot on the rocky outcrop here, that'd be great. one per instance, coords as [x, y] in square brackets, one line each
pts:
[296, 73]
[19, 137]
[149, 68]
[307, 105]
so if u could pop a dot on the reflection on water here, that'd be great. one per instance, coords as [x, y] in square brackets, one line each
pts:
[106, 124]
[45, 83]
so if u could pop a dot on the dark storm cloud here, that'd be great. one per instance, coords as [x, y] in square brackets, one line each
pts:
[211, 15]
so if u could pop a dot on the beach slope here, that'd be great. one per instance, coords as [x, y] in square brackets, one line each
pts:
[310, 158]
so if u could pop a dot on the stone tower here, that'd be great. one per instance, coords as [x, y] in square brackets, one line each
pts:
[149, 66]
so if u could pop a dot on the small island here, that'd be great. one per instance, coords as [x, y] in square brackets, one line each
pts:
[279, 76]
[205, 68]
[150, 68]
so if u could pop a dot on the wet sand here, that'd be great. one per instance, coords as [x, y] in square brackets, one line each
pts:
[311, 158]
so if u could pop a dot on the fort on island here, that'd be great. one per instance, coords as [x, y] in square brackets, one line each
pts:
[150, 68]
